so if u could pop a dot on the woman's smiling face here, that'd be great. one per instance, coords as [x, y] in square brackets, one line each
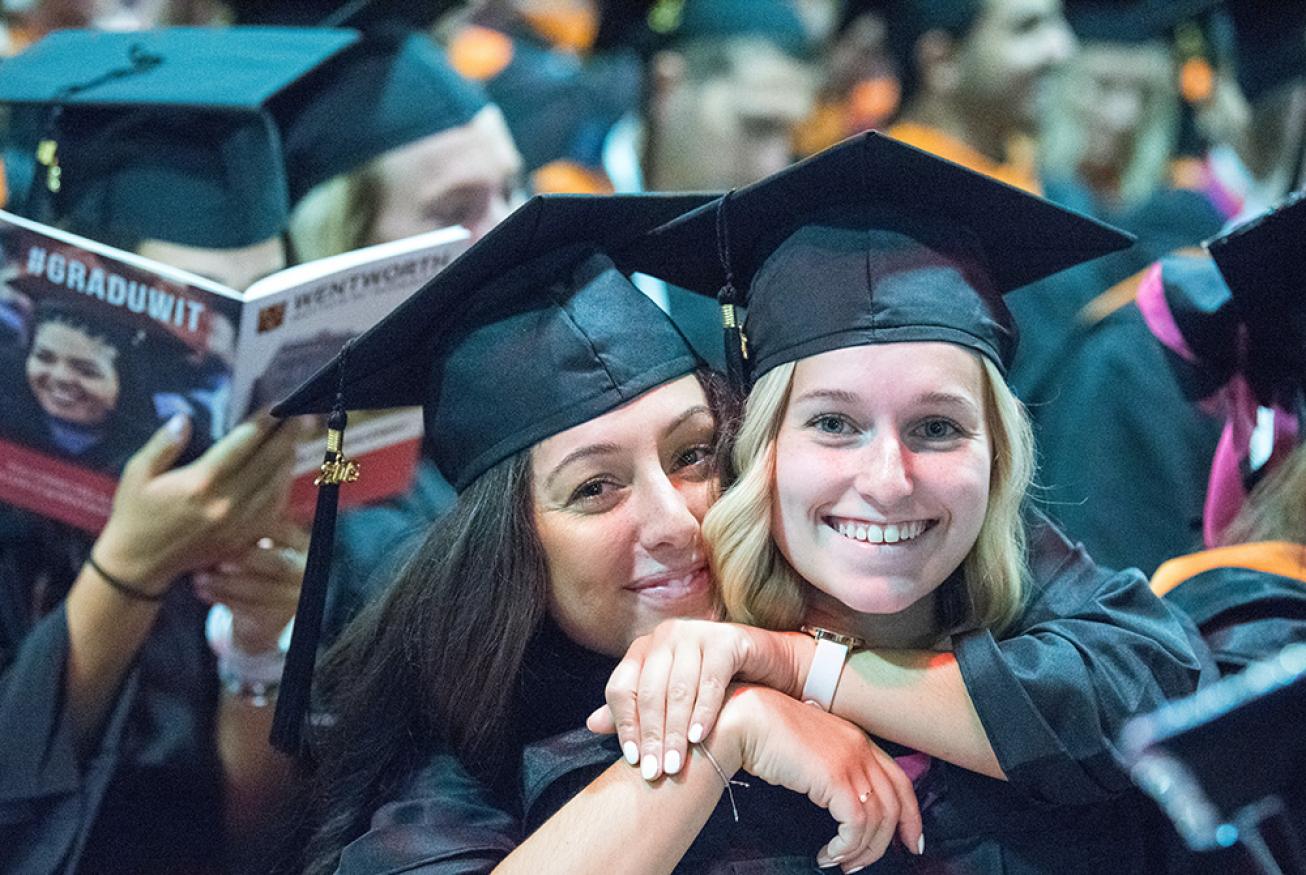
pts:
[73, 375]
[882, 470]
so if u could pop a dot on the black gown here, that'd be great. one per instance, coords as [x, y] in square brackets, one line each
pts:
[148, 798]
[1092, 649]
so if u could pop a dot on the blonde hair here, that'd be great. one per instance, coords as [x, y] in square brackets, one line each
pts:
[759, 587]
[1276, 509]
[336, 216]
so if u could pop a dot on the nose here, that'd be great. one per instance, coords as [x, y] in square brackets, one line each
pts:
[667, 525]
[884, 474]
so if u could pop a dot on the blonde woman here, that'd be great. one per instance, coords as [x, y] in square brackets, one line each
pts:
[882, 465]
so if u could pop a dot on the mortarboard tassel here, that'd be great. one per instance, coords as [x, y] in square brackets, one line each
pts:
[736, 343]
[294, 700]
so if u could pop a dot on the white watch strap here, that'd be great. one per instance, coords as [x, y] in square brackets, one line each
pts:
[823, 675]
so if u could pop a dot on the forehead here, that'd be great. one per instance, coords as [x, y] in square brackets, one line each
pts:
[892, 373]
[639, 422]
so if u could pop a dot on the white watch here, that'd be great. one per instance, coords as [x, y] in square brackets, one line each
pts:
[827, 665]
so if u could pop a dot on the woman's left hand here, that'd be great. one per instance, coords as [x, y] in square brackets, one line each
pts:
[668, 690]
[261, 587]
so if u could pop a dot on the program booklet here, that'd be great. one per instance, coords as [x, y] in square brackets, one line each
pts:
[99, 347]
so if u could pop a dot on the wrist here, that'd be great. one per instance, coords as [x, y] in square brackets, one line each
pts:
[130, 566]
[796, 663]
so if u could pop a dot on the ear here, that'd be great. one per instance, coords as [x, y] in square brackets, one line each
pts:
[936, 59]
[666, 75]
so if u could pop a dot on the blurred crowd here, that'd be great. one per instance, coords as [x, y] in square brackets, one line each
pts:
[255, 147]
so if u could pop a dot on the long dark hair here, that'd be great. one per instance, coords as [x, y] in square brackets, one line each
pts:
[436, 660]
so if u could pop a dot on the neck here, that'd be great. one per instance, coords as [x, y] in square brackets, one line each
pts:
[979, 131]
[913, 628]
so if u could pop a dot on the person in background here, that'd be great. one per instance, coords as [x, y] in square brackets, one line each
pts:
[976, 76]
[1233, 330]
[1120, 436]
[423, 149]
[172, 724]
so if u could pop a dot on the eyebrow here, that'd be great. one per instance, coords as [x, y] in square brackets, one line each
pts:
[696, 410]
[608, 449]
[846, 397]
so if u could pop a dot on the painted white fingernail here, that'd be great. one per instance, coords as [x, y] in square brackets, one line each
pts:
[176, 425]
[631, 750]
[671, 762]
[696, 733]
[856, 869]
[648, 767]
[920, 844]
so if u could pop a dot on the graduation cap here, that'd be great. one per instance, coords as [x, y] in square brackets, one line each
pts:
[870, 241]
[1261, 261]
[777, 21]
[390, 89]
[160, 134]
[1213, 760]
[1269, 43]
[1131, 21]
[531, 331]
[361, 14]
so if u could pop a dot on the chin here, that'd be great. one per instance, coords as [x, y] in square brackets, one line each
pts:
[877, 595]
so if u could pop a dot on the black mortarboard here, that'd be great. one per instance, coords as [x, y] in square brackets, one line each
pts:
[1131, 21]
[1210, 759]
[1261, 262]
[361, 14]
[1269, 39]
[159, 134]
[776, 21]
[390, 89]
[531, 331]
[871, 241]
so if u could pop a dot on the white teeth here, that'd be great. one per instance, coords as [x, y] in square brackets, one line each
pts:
[872, 533]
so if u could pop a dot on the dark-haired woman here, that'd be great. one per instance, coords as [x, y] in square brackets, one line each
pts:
[580, 438]
[82, 392]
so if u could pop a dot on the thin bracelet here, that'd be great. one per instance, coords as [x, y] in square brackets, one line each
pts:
[126, 589]
[729, 782]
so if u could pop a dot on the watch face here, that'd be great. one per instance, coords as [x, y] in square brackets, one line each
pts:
[852, 642]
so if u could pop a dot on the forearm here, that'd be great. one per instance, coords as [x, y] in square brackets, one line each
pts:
[255, 776]
[622, 819]
[916, 698]
[106, 630]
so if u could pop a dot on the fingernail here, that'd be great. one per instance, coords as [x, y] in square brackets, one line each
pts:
[631, 750]
[920, 844]
[266, 543]
[648, 767]
[176, 425]
[856, 869]
[696, 733]
[671, 762]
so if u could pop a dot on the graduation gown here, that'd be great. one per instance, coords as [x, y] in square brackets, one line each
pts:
[147, 797]
[1092, 648]
[1248, 600]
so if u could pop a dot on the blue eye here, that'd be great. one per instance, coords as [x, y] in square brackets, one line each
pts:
[939, 430]
[830, 424]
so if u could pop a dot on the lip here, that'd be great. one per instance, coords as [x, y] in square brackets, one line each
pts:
[673, 585]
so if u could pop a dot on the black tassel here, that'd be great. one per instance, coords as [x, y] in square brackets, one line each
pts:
[294, 699]
[736, 343]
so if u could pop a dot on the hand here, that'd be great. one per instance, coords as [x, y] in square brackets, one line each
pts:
[165, 523]
[260, 586]
[668, 689]
[798, 746]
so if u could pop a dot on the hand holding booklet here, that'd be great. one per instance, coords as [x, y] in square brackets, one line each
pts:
[99, 347]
